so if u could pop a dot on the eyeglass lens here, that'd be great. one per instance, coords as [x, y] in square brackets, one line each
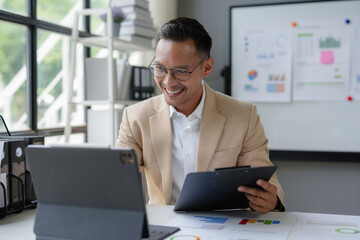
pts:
[178, 73]
[160, 71]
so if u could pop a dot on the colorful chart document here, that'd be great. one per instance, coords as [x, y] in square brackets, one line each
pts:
[321, 60]
[264, 56]
[233, 225]
[312, 226]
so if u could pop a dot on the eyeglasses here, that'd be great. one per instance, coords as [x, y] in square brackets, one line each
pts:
[180, 74]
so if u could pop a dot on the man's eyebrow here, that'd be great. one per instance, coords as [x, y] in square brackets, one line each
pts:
[180, 66]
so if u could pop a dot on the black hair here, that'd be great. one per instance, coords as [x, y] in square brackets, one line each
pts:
[183, 28]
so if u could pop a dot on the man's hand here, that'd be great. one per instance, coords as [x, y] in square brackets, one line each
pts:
[261, 200]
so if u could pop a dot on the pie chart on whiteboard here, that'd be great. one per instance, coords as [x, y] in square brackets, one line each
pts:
[252, 74]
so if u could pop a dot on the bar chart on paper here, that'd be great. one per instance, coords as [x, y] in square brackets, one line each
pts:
[231, 225]
[260, 221]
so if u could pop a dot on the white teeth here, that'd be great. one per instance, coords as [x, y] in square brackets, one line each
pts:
[173, 92]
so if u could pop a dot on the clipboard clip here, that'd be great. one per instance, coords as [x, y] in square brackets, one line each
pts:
[230, 168]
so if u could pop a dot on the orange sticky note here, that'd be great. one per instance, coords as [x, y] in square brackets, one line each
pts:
[327, 57]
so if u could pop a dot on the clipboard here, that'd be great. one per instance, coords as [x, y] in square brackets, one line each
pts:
[217, 190]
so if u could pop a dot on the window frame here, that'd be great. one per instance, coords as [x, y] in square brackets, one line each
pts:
[33, 24]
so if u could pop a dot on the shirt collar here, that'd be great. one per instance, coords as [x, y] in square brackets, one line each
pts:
[198, 110]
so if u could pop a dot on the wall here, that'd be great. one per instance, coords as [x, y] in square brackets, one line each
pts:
[323, 187]
[330, 187]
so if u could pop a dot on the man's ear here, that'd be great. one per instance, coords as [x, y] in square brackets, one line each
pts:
[208, 67]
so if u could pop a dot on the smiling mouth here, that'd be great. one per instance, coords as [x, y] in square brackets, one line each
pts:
[173, 93]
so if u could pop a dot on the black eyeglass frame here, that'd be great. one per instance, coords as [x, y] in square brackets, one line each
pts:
[172, 69]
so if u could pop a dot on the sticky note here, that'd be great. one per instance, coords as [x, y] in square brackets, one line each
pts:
[327, 57]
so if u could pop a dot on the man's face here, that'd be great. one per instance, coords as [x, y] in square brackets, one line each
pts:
[183, 95]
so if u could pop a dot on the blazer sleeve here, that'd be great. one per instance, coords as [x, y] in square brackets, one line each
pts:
[127, 139]
[255, 151]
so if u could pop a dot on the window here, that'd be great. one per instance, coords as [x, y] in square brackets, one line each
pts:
[15, 6]
[13, 75]
[35, 47]
[58, 12]
[52, 69]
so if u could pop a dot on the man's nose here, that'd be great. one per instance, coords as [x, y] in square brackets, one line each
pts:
[169, 77]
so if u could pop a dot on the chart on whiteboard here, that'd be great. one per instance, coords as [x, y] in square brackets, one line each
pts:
[321, 61]
[265, 64]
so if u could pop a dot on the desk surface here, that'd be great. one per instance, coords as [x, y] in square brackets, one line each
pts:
[20, 226]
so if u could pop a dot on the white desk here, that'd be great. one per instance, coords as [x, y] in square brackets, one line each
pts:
[20, 226]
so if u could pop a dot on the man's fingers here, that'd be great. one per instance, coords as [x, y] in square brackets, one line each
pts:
[268, 187]
[249, 190]
[262, 203]
[261, 200]
[257, 208]
[255, 199]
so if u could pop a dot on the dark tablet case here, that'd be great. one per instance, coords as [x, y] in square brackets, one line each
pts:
[217, 190]
[88, 193]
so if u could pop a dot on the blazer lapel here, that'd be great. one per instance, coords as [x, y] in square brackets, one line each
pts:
[212, 124]
[160, 130]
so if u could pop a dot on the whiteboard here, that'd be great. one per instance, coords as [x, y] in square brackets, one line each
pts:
[329, 123]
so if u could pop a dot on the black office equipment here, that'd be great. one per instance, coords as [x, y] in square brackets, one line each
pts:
[30, 197]
[16, 152]
[88, 193]
[13, 166]
[217, 190]
[16, 188]
[4, 174]
[12, 174]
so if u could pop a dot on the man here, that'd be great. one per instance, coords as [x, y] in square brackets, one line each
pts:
[190, 127]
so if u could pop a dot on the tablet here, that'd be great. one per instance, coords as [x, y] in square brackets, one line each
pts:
[89, 193]
[217, 190]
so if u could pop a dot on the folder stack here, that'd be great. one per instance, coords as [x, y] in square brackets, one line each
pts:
[142, 83]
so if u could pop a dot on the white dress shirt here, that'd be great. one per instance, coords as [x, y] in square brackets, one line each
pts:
[185, 139]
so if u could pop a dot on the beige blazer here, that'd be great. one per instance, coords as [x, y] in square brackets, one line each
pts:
[230, 135]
